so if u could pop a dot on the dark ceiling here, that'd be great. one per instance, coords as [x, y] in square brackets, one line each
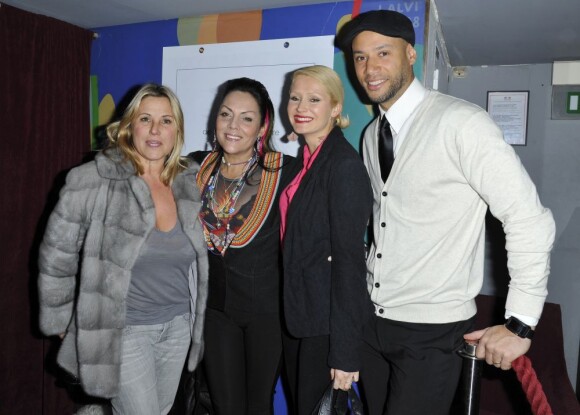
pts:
[476, 32]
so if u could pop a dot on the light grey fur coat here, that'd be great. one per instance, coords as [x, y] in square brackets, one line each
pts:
[101, 221]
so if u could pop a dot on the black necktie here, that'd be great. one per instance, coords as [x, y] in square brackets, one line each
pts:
[386, 155]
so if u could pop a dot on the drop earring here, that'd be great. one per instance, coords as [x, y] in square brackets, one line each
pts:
[259, 147]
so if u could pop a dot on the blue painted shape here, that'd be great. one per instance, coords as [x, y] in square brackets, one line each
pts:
[303, 21]
[280, 406]
[128, 55]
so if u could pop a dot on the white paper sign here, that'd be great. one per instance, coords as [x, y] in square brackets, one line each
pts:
[510, 112]
[196, 72]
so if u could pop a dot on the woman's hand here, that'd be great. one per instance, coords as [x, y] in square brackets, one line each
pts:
[343, 380]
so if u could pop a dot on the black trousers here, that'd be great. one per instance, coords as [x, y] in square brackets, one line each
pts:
[242, 360]
[411, 368]
[307, 372]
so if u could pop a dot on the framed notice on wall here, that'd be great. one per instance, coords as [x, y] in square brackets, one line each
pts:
[509, 109]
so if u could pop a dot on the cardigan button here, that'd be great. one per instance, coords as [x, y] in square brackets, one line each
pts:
[379, 255]
[329, 259]
[377, 284]
[384, 193]
[383, 224]
[381, 311]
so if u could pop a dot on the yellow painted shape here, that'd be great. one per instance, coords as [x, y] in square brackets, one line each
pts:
[342, 21]
[106, 109]
[188, 30]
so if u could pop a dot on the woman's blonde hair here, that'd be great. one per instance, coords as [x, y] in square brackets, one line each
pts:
[333, 85]
[120, 134]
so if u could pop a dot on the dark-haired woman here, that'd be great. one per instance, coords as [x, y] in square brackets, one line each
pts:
[240, 181]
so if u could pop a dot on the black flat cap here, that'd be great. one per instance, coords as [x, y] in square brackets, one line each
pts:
[385, 22]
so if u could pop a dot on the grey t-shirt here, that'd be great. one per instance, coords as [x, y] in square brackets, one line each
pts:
[159, 288]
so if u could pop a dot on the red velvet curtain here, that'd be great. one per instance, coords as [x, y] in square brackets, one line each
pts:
[44, 130]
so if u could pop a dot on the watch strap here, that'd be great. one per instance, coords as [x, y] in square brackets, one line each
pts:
[519, 328]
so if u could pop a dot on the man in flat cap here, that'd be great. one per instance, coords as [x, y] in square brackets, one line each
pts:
[436, 165]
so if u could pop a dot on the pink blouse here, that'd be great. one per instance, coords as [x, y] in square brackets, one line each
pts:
[290, 190]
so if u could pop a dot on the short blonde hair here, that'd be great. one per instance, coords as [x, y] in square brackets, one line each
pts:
[120, 134]
[333, 85]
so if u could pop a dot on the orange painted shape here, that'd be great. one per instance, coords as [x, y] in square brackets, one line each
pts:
[208, 29]
[239, 27]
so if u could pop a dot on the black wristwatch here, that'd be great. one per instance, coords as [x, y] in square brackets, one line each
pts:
[519, 328]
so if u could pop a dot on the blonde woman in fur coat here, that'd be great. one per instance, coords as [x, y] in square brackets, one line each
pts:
[129, 218]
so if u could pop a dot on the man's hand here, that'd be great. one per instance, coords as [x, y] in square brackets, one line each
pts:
[498, 346]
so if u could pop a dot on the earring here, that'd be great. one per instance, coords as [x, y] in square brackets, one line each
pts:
[259, 146]
[214, 143]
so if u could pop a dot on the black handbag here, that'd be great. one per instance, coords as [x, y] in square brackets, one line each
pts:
[192, 396]
[336, 402]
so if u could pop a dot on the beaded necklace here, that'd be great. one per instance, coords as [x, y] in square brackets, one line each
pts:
[236, 164]
[223, 211]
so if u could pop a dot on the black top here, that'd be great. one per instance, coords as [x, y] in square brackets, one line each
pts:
[247, 278]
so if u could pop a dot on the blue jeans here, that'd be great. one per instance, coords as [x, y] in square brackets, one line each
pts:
[152, 359]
